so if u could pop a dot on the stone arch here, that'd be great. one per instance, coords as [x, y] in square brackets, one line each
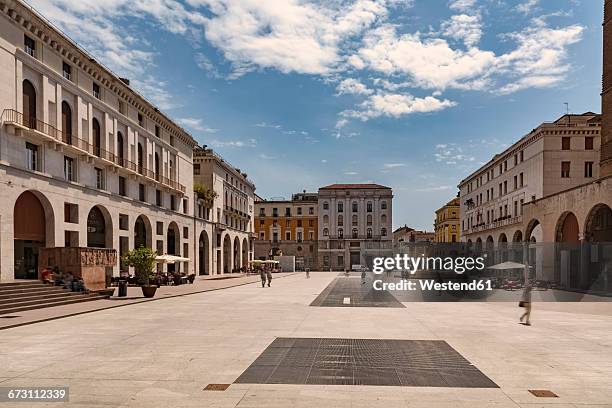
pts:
[99, 227]
[567, 229]
[532, 228]
[204, 254]
[236, 254]
[227, 254]
[33, 228]
[598, 224]
[518, 236]
[142, 232]
[245, 252]
[173, 243]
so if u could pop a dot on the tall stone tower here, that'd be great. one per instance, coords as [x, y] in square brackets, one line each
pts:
[606, 93]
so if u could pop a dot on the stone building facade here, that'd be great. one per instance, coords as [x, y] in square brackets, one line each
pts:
[551, 158]
[355, 225]
[231, 241]
[288, 227]
[85, 161]
[448, 220]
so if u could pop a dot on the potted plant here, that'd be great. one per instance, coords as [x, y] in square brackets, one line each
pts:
[143, 261]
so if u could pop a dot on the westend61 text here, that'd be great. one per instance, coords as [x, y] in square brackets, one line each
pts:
[430, 284]
[412, 264]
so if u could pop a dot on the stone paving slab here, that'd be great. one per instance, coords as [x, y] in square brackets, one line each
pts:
[166, 352]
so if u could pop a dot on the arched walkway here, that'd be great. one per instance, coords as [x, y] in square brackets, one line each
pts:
[598, 225]
[33, 228]
[142, 232]
[203, 254]
[173, 243]
[227, 254]
[245, 253]
[236, 254]
[567, 228]
[597, 248]
[99, 228]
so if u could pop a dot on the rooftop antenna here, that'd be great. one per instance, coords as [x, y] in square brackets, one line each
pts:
[569, 119]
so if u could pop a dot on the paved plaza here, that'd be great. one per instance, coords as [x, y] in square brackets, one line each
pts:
[164, 353]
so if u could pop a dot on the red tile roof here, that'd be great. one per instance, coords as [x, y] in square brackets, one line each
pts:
[353, 186]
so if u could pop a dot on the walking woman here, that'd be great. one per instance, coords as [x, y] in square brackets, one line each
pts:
[262, 275]
[269, 276]
[526, 303]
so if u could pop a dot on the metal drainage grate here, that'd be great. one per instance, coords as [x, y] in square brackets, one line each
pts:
[359, 294]
[216, 387]
[424, 363]
[544, 394]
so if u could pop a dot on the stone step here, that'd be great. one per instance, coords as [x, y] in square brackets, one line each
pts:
[32, 296]
[8, 287]
[58, 302]
[39, 289]
[19, 283]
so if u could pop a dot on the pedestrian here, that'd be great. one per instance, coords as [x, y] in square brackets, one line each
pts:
[262, 275]
[526, 303]
[307, 273]
[269, 276]
[363, 276]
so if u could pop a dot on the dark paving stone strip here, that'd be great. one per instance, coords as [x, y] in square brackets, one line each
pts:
[416, 363]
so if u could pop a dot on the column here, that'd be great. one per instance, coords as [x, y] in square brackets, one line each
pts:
[78, 113]
[58, 104]
[44, 98]
[585, 258]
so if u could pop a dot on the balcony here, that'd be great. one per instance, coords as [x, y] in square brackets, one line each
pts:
[14, 118]
[501, 222]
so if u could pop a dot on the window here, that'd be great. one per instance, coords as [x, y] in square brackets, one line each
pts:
[325, 219]
[369, 219]
[122, 109]
[185, 206]
[588, 169]
[588, 143]
[287, 212]
[369, 233]
[299, 223]
[340, 233]
[157, 131]
[172, 203]
[515, 159]
[383, 232]
[515, 182]
[299, 236]
[140, 120]
[383, 219]
[32, 156]
[565, 143]
[288, 236]
[122, 186]
[67, 71]
[565, 169]
[124, 222]
[99, 178]
[158, 198]
[521, 180]
[355, 206]
[96, 90]
[325, 232]
[69, 173]
[340, 220]
[355, 233]
[275, 212]
[141, 192]
[262, 212]
[340, 207]
[383, 205]
[340, 260]
[311, 235]
[354, 220]
[275, 237]
[521, 156]
[299, 210]
[369, 206]
[262, 235]
[506, 187]
[29, 46]
[159, 228]
[325, 205]
[185, 232]
[311, 211]
[71, 213]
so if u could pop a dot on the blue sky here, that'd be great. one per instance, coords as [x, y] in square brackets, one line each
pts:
[413, 94]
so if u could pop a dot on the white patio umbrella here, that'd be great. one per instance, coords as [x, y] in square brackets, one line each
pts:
[171, 259]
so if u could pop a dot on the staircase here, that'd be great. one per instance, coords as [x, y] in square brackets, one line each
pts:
[29, 295]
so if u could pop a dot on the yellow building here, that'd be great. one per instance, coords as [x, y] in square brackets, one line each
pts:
[446, 225]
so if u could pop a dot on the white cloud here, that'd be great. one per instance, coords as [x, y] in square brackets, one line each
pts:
[351, 173]
[352, 86]
[196, 124]
[204, 63]
[233, 143]
[395, 105]
[434, 188]
[156, 92]
[267, 125]
[464, 28]
[393, 165]
[462, 5]
[451, 154]
[528, 6]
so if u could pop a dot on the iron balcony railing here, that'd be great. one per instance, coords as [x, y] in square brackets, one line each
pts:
[15, 117]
